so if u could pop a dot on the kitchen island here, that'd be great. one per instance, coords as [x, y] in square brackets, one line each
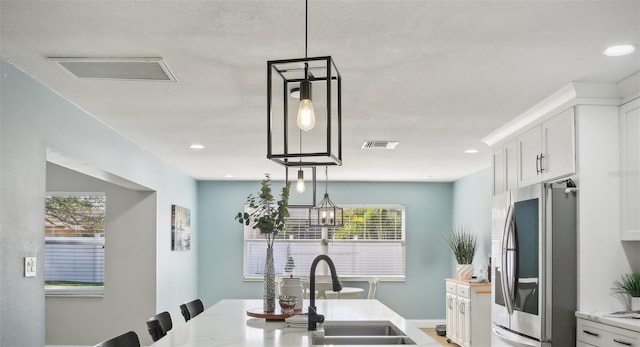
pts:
[227, 324]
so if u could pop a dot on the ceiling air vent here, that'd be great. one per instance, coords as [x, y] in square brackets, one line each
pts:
[131, 69]
[380, 144]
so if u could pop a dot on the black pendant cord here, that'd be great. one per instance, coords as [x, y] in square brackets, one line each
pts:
[326, 180]
[306, 25]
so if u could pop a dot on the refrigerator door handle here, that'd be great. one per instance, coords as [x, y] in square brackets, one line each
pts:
[505, 275]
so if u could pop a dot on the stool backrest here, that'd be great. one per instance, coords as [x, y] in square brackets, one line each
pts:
[128, 339]
[191, 309]
[159, 325]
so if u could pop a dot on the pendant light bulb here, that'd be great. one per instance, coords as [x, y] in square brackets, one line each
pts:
[300, 188]
[306, 117]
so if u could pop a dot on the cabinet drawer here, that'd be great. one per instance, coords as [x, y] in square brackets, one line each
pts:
[463, 291]
[451, 287]
[598, 334]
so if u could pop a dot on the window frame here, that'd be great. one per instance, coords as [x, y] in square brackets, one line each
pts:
[283, 239]
[77, 291]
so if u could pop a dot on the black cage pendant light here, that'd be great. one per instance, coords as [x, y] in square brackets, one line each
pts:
[293, 105]
[326, 213]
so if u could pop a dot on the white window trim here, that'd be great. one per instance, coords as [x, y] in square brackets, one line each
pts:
[348, 278]
[75, 291]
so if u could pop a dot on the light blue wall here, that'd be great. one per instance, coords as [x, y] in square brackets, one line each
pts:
[36, 124]
[472, 196]
[428, 220]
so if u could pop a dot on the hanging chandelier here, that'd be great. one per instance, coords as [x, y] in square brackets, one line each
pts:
[294, 106]
[326, 213]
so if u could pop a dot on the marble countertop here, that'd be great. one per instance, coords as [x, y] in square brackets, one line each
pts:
[624, 323]
[227, 324]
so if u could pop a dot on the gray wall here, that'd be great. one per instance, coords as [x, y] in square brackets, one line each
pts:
[130, 252]
[428, 220]
[37, 125]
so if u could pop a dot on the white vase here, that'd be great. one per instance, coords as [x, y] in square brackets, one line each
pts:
[635, 303]
[465, 271]
[292, 286]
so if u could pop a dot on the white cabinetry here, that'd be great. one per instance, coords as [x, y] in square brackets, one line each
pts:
[505, 167]
[590, 333]
[547, 151]
[630, 170]
[468, 313]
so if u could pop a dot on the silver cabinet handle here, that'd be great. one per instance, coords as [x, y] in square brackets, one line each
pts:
[622, 342]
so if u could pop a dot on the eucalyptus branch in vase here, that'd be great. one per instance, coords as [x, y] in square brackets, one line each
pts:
[266, 214]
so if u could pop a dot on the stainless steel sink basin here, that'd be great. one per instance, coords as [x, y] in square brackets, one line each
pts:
[361, 329]
[360, 333]
[362, 340]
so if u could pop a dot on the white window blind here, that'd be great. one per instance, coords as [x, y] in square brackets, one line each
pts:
[371, 243]
[74, 243]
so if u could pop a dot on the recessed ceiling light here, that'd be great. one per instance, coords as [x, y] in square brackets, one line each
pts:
[618, 50]
[229, 176]
[471, 151]
[425, 177]
[196, 146]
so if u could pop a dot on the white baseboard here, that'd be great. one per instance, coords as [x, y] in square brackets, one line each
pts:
[426, 323]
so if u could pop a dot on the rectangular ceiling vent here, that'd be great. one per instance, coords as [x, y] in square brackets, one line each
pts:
[380, 144]
[128, 69]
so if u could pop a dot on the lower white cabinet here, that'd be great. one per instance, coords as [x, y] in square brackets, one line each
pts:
[591, 333]
[468, 311]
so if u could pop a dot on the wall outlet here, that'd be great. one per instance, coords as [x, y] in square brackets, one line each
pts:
[29, 266]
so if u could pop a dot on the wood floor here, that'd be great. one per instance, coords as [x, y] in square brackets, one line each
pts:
[441, 339]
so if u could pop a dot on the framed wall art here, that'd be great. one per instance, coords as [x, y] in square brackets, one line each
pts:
[180, 228]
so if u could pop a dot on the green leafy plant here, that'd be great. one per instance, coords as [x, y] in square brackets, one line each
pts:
[463, 242]
[266, 214]
[628, 284]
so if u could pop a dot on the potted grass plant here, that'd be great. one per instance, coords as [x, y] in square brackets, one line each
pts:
[463, 243]
[629, 284]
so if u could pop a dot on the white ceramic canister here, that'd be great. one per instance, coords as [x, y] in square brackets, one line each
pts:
[292, 286]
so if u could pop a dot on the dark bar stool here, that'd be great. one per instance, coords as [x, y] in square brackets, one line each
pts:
[191, 309]
[159, 325]
[129, 339]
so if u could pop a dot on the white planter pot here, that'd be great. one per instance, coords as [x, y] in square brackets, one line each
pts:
[635, 303]
[465, 271]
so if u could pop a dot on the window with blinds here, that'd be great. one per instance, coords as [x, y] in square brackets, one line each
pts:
[74, 243]
[371, 243]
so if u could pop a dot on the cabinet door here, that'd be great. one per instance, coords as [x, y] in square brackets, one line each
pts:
[511, 164]
[505, 167]
[464, 322]
[630, 177]
[529, 151]
[559, 146]
[499, 170]
[451, 316]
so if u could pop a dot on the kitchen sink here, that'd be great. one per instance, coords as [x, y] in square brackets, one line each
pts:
[360, 333]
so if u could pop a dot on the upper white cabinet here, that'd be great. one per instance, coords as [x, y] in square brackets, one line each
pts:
[630, 170]
[505, 167]
[547, 151]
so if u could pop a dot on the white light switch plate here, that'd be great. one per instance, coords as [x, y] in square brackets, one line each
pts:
[29, 266]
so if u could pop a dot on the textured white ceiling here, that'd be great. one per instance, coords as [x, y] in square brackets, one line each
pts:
[435, 75]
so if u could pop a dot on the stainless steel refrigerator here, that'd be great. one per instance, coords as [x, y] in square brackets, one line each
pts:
[534, 266]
